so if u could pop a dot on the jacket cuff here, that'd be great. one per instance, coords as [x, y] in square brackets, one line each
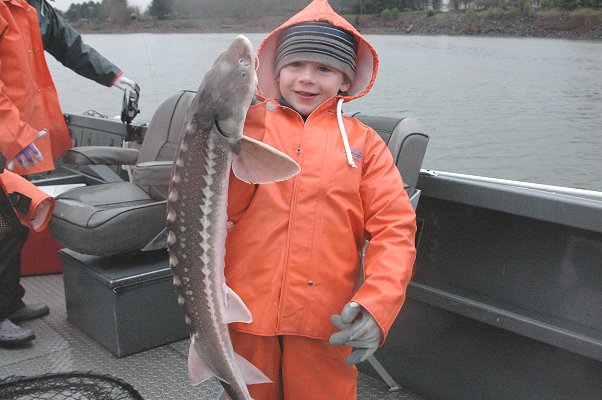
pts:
[383, 329]
[115, 79]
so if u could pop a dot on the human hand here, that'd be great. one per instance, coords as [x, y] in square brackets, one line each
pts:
[123, 81]
[362, 334]
[27, 155]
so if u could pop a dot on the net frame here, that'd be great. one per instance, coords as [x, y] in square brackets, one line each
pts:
[67, 386]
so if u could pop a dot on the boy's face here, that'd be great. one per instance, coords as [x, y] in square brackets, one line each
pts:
[307, 84]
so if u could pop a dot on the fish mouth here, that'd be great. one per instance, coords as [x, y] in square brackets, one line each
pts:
[231, 137]
[220, 130]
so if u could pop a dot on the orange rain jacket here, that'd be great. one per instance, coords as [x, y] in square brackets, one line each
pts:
[42, 205]
[293, 254]
[28, 98]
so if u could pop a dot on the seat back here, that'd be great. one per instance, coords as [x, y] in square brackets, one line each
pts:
[162, 135]
[407, 141]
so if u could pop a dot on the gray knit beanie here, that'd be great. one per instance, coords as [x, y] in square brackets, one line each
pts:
[319, 42]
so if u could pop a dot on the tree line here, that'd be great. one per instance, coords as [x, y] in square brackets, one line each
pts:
[118, 12]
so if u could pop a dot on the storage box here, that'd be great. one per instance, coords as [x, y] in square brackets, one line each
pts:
[40, 254]
[125, 303]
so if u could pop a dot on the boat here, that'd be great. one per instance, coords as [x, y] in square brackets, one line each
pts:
[505, 301]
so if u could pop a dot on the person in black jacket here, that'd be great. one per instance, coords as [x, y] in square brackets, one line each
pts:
[67, 46]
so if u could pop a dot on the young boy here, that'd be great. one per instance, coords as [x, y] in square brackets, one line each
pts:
[293, 253]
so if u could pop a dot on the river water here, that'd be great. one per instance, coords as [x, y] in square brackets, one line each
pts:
[511, 108]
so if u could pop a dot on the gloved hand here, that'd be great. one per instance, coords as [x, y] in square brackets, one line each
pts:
[123, 81]
[29, 154]
[362, 334]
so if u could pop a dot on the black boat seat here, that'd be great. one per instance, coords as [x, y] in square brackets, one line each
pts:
[121, 217]
[99, 220]
[407, 141]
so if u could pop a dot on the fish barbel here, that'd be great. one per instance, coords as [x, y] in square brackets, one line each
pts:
[212, 144]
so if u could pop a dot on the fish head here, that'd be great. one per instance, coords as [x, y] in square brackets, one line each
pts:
[234, 82]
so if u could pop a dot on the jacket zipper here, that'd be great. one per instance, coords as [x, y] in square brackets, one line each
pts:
[289, 231]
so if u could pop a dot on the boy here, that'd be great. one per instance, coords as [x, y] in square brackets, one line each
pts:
[293, 253]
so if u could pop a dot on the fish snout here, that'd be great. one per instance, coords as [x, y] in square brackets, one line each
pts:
[246, 62]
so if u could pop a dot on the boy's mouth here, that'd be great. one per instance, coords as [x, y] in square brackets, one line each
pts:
[305, 94]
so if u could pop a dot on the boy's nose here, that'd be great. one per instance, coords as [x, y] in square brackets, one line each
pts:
[306, 75]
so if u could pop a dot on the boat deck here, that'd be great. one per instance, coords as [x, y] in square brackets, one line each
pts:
[159, 373]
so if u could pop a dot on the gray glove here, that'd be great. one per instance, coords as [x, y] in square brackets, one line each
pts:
[362, 334]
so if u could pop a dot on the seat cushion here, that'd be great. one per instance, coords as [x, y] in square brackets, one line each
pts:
[107, 219]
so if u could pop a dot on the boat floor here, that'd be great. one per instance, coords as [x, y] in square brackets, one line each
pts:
[158, 373]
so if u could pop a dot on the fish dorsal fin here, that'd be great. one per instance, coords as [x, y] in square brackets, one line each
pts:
[198, 370]
[251, 374]
[258, 162]
[236, 309]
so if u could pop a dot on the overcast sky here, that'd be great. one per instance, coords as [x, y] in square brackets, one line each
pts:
[63, 5]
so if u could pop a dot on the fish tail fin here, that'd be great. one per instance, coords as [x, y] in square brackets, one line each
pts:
[251, 373]
[199, 371]
[257, 162]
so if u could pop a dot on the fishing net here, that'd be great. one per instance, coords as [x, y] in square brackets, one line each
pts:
[67, 386]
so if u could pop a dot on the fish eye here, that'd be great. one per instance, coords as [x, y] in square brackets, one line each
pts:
[243, 74]
[240, 61]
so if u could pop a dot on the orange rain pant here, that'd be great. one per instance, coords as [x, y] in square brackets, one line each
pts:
[300, 368]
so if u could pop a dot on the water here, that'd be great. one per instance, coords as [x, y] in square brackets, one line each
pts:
[511, 108]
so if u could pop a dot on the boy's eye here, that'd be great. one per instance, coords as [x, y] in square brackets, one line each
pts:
[324, 68]
[295, 64]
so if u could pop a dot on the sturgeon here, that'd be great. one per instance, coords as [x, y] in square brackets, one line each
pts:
[210, 145]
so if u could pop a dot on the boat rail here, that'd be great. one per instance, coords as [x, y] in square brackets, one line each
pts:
[591, 194]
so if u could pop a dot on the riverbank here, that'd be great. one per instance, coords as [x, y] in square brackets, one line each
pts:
[581, 24]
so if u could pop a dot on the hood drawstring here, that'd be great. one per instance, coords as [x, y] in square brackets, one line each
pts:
[344, 133]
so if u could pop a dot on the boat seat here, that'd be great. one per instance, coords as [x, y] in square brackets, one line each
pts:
[407, 141]
[121, 217]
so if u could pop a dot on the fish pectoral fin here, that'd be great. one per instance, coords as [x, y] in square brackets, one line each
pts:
[258, 162]
[236, 309]
[198, 370]
[251, 374]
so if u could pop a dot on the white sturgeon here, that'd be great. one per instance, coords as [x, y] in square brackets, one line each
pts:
[210, 145]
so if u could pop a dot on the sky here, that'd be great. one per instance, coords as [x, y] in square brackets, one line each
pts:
[63, 5]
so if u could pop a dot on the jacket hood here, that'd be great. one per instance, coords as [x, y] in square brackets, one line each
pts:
[318, 10]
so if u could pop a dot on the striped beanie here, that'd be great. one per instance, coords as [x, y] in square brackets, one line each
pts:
[318, 42]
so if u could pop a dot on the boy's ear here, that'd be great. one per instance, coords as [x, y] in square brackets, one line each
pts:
[346, 84]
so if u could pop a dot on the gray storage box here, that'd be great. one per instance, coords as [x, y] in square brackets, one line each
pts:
[125, 303]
